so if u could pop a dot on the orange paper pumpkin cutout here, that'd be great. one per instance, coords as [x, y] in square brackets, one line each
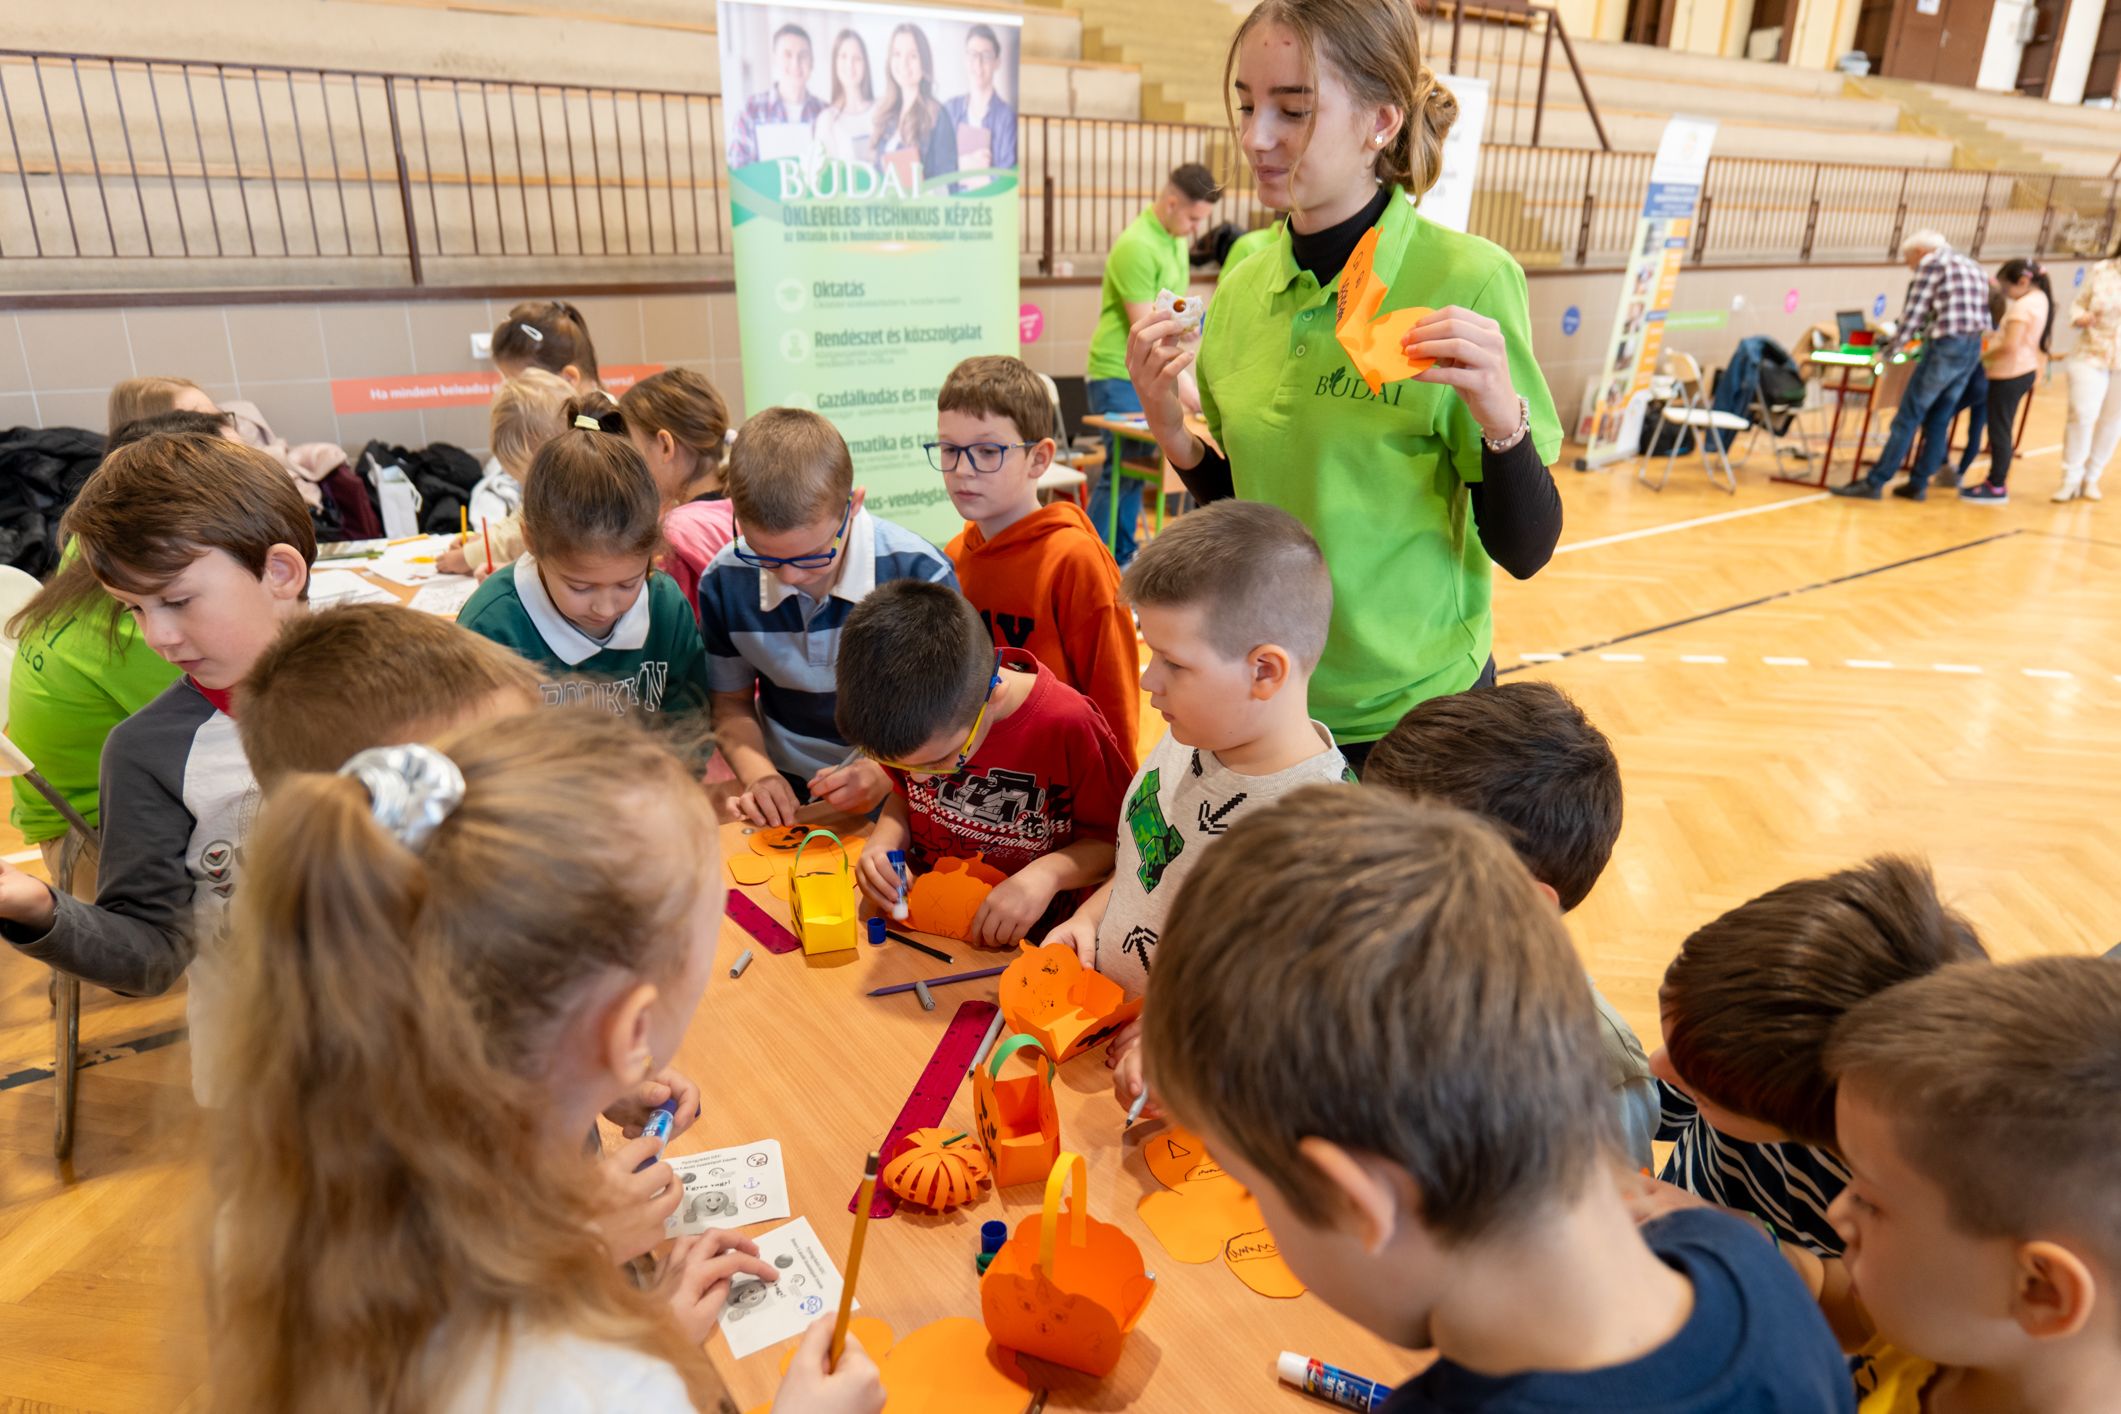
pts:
[949, 1366]
[1049, 995]
[1066, 1287]
[1207, 1214]
[944, 900]
[1012, 1099]
[1371, 338]
[931, 1172]
[778, 839]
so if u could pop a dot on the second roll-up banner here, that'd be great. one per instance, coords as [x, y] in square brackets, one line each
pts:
[873, 169]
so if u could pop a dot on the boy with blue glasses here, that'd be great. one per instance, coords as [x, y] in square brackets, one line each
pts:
[772, 605]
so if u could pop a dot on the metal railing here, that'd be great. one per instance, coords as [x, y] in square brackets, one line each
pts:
[1481, 42]
[126, 174]
[1579, 208]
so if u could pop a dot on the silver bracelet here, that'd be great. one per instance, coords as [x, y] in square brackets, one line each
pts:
[1524, 425]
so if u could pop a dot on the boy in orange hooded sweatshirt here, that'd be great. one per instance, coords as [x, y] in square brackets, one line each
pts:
[1039, 576]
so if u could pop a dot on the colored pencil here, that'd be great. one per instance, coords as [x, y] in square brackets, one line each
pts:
[487, 535]
[1134, 1111]
[463, 525]
[994, 1030]
[937, 953]
[854, 1258]
[899, 987]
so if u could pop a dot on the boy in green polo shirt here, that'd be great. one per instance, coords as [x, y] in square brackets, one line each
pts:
[1148, 257]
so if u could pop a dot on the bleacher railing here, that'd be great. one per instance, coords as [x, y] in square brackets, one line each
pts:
[137, 174]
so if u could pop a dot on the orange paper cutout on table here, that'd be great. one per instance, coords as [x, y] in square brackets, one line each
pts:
[931, 1172]
[945, 900]
[1012, 1101]
[752, 870]
[951, 1366]
[1048, 994]
[1066, 1287]
[1208, 1214]
[777, 839]
[1373, 339]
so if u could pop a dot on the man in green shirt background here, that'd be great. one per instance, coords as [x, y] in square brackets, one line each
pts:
[1148, 257]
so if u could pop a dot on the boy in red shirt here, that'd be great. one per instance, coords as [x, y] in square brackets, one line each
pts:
[988, 752]
[1039, 576]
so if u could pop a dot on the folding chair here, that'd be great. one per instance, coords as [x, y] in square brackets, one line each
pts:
[1779, 412]
[1686, 408]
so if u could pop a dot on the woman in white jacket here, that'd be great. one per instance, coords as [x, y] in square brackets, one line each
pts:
[2094, 373]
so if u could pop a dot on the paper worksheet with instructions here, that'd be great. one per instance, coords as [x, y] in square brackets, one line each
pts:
[328, 588]
[763, 1313]
[444, 595]
[732, 1187]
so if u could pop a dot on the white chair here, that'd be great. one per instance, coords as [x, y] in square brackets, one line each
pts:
[16, 590]
[1686, 408]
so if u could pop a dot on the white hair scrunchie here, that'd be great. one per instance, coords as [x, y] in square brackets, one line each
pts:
[411, 789]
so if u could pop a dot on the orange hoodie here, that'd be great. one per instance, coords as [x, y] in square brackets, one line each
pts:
[1048, 585]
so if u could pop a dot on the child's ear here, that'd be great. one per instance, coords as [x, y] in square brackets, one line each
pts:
[2054, 1291]
[1552, 894]
[861, 495]
[573, 374]
[1042, 456]
[622, 1035]
[1270, 668]
[666, 446]
[286, 573]
[1368, 1192]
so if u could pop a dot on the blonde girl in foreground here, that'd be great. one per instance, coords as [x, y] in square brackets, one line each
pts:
[447, 979]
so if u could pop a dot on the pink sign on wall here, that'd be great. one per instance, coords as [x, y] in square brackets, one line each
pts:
[1030, 323]
[452, 390]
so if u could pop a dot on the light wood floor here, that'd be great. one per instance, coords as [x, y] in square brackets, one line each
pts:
[1789, 690]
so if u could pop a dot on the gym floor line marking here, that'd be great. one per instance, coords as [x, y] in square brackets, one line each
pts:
[1650, 530]
[1787, 662]
[1955, 668]
[1702, 658]
[1878, 663]
[1778, 595]
[139, 1046]
[2047, 672]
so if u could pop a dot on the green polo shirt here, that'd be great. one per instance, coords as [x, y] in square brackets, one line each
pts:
[1250, 243]
[73, 681]
[1381, 481]
[1145, 260]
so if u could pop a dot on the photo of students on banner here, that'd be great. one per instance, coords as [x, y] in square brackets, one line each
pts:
[816, 83]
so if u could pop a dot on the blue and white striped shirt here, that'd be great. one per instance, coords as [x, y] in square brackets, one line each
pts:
[1789, 1184]
[758, 630]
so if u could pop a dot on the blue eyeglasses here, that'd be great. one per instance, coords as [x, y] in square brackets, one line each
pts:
[817, 559]
[986, 457]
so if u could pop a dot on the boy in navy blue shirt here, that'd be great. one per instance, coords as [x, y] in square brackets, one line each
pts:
[1428, 1140]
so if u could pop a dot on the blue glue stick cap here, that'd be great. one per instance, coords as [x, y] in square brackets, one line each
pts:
[876, 931]
[992, 1235]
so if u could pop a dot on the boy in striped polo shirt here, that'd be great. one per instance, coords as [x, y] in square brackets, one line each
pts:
[771, 606]
[1748, 1007]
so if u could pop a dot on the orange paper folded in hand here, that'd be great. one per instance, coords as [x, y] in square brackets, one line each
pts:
[1372, 338]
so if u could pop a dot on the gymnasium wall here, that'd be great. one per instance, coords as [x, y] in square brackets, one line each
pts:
[56, 365]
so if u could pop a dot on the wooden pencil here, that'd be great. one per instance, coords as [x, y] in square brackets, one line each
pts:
[854, 1258]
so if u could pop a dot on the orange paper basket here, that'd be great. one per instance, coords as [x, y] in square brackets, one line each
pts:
[1069, 1296]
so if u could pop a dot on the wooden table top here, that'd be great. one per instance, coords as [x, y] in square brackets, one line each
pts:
[793, 1050]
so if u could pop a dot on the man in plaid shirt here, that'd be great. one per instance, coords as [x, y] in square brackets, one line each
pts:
[788, 101]
[1948, 298]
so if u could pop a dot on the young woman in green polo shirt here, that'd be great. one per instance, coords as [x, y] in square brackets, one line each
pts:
[1414, 492]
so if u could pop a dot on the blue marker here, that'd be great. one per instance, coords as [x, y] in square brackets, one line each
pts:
[661, 1121]
[905, 882]
[1322, 1381]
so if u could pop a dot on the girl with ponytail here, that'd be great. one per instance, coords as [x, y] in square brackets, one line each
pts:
[445, 979]
[1415, 491]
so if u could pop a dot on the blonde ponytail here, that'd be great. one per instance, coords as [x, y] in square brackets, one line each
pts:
[391, 1199]
[1415, 157]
